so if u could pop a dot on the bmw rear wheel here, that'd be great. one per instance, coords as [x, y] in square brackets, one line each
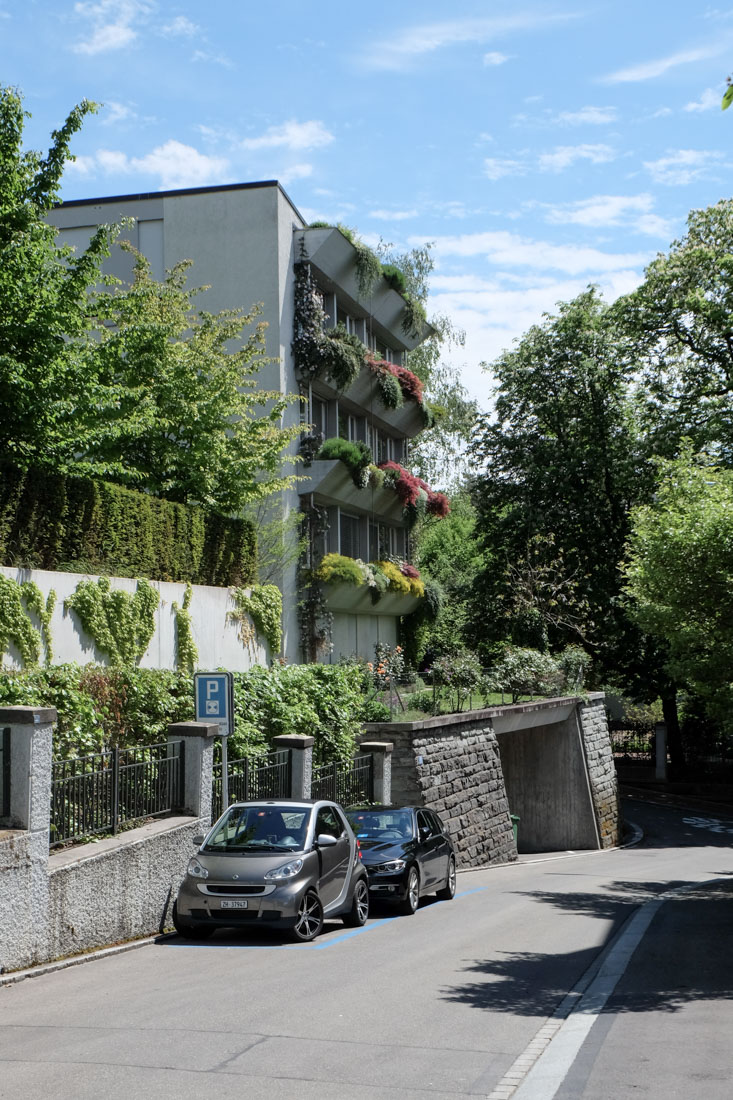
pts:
[449, 890]
[309, 920]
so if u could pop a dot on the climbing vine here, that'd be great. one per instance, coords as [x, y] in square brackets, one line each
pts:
[187, 655]
[121, 625]
[264, 606]
[15, 623]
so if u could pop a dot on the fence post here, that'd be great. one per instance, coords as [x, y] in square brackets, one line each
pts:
[660, 746]
[382, 769]
[198, 765]
[301, 770]
[24, 918]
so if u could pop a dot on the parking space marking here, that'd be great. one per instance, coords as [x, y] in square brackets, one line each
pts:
[319, 945]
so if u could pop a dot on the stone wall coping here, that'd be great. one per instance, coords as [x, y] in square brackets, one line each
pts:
[27, 716]
[294, 741]
[377, 746]
[193, 729]
[82, 853]
[470, 716]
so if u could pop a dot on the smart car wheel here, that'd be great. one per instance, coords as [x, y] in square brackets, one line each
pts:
[309, 921]
[449, 890]
[412, 899]
[357, 915]
[189, 931]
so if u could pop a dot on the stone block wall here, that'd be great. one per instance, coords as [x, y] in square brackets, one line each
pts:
[451, 764]
[601, 769]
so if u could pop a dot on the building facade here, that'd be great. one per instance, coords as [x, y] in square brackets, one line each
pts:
[249, 245]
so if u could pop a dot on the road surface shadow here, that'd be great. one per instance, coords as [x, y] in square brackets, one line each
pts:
[686, 955]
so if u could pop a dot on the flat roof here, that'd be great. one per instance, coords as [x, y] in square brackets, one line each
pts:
[183, 191]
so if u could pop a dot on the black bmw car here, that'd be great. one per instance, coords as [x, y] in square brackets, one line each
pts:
[407, 853]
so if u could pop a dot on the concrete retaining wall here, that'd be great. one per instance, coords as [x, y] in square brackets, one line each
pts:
[216, 637]
[549, 763]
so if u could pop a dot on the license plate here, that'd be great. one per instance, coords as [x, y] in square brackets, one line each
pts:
[234, 904]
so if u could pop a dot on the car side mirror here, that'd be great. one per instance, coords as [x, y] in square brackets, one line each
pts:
[325, 840]
[198, 841]
[424, 833]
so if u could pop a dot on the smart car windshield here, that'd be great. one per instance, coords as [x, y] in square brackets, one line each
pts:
[382, 824]
[260, 829]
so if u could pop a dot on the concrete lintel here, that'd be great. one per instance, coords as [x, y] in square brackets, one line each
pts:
[193, 729]
[376, 746]
[27, 716]
[294, 741]
[544, 707]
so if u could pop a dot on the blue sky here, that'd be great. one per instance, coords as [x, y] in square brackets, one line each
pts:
[541, 146]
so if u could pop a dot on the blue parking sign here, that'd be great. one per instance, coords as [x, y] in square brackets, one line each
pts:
[214, 697]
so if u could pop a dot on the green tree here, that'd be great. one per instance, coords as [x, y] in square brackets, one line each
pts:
[190, 421]
[680, 575]
[562, 462]
[51, 406]
[679, 324]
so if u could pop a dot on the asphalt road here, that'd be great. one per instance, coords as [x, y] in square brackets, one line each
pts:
[585, 975]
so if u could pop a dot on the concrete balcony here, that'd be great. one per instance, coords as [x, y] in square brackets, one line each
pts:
[356, 600]
[332, 483]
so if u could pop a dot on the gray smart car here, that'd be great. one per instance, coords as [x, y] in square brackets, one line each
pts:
[282, 863]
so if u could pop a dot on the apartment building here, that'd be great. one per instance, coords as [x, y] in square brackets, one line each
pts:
[249, 244]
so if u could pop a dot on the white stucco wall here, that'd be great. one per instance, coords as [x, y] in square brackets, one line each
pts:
[215, 636]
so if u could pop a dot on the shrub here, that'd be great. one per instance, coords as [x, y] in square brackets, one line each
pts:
[356, 456]
[337, 569]
[520, 671]
[342, 355]
[395, 278]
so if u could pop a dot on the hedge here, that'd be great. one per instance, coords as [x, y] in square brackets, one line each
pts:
[78, 525]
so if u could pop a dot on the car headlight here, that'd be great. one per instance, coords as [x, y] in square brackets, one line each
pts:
[392, 868]
[196, 870]
[288, 870]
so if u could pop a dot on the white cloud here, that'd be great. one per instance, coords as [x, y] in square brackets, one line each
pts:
[566, 155]
[292, 135]
[213, 59]
[116, 112]
[498, 167]
[295, 172]
[495, 312]
[403, 47]
[708, 101]
[112, 23]
[682, 166]
[593, 116]
[606, 211]
[511, 250]
[648, 70]
[176, 165]
[393, 215]
[494, 58]
[180, 27]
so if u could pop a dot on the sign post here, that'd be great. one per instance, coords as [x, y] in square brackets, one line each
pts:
[214, 701]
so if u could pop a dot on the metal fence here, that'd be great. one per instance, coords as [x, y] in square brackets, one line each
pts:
[632, 742]
[263, 777]
[101, 792]
[4, 772]
[349, 782]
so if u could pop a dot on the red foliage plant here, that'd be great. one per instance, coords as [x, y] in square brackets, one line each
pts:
[409, 383]
[408, 486]
[410, 571]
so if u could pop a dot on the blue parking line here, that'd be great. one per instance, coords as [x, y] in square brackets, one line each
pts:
[321, 944]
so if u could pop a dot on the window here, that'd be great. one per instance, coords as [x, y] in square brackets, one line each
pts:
[385, 541]
[348, 426]
[319, 415]
[328, 822]
[349, 535]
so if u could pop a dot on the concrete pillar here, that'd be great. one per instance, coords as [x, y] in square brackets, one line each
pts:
[24, 929]
[660, 744]
[198, 765]
[301, 770]
[381, 752]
